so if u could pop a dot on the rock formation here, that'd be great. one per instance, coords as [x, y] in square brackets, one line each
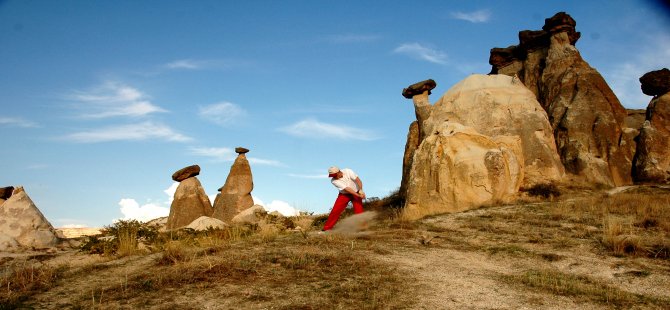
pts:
[185, 173]
[419, 93]
[23, 225]
[585, 115]
[205, 223]
[5, 193]
[652, 159]
[235, 195]
[190, 200]
[456, 167]
[251, 215]
[499, 105]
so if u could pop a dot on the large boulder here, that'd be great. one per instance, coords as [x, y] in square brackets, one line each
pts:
[500, 105]
[586, 117]
[652, 159]
[235, 195]
[655, 83]
[190, 202]
[185, 173]
[251, 215]
[22, 224]
[456, 168]
[205, 223]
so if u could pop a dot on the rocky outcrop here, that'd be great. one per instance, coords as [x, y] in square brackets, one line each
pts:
[185, 173]
[586, 117]
[23, 225]
[419, 93]
[206, 223]
[456, 168]
[251, 215]
[473, 145]
[499, 105]
[190, 202]
[652, 159]
[235, 195]
[5, 193]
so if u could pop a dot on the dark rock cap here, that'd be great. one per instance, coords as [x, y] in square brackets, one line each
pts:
[185, 173]
[655, 83]
[241, 150]
[502, 56]
[6, 192]
[562, 22]
[418, 88]
[530, 40]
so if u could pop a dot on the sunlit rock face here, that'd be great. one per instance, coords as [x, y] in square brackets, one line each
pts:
[22, 225]
[235, 195]
[586, 117]
[190, 199]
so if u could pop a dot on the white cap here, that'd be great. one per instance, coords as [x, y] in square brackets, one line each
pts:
[333, 170]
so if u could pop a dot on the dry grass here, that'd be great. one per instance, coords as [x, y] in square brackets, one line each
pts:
[582, 287]
[22, 280]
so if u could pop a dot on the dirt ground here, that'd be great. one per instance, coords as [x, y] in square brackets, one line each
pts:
[477, 259]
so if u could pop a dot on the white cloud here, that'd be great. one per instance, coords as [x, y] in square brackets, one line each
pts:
[197, 64]
[223, 113]
[170, 191]
[265, 162]
[215, 153]
[309, 176]
[624, 77]
[17, 122]
[131, 210]
[132, 132]
[221, 154]
[312, 128]
[421, 52]
[351, 38]
[479, 16]
[284, 208]
[113, 99]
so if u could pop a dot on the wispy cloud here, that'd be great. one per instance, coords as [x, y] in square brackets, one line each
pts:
[17, 122]
[312, 128]
[351, 38]
[132, 132]
[214, 153]
[623, 78]
[308, 176]
[421, 52]
[223, 113]
[479, 16]
[223, 154]
[197, 64]
[266, 162]
[113, 99]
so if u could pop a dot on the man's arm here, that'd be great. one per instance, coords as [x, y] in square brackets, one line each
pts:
[353, 192]
[358, 182]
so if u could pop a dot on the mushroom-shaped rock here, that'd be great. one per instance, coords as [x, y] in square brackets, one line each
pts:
[562, 22]
[241, 150]
[418, 88]
[235, 195]
[190, 202]
[186, 172]
[652, 158]
[655, 83]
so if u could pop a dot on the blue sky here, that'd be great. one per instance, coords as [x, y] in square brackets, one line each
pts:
[103, 100]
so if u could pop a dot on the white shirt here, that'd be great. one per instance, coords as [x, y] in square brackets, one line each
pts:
[347, 180]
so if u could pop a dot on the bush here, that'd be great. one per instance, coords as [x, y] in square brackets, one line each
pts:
[120, 238]
[545, 190]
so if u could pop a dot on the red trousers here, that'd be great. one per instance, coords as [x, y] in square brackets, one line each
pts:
[339, 206]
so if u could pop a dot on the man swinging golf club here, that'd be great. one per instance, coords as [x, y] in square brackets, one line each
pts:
[351, 189]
